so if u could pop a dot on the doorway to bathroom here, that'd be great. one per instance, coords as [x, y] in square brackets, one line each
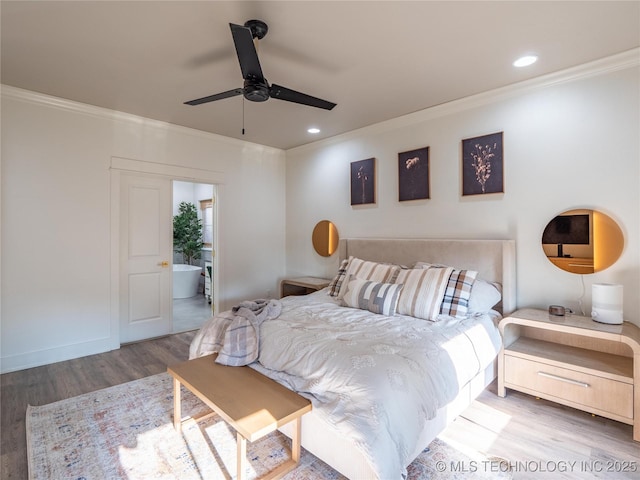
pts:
[194, 254]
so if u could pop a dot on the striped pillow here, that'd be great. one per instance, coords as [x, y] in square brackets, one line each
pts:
[423, 291]
[366, 270]
[376, 297]
[456, 298]
[336, 283]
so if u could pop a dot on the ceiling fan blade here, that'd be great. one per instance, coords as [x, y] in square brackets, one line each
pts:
[246, 50]
[283, 93]
[217, 96]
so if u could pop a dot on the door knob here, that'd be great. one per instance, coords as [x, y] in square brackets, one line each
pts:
[163, 264]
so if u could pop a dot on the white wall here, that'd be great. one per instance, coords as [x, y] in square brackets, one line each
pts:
[571, 140]
[56, 200]
[183, 192]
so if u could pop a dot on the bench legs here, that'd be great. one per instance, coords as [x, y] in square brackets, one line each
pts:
[241, 456]
[283, 469]
[242, 442]
[177, 409]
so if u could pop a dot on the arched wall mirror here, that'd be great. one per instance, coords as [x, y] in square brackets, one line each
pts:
[582, 241]
[325, 238]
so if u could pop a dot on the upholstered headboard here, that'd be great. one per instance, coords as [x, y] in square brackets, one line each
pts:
[494, 260]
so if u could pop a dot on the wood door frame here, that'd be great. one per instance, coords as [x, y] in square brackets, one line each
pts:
[121, 165]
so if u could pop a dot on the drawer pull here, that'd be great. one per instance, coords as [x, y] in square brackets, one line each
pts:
[563, 379]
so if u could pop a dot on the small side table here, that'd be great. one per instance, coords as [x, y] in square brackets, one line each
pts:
[574, 361]
[302, 285]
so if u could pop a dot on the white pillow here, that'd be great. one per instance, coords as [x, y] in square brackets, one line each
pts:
[484, 296]
[376, 297]
[423, 291]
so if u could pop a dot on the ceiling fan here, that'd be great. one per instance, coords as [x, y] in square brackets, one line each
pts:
[256, 88]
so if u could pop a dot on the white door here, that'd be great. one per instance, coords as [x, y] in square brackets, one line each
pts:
[146, 250]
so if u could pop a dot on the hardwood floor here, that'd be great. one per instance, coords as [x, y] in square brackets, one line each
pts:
[540, 439]
[50, 383]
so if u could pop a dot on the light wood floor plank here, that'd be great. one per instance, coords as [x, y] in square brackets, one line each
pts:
[537, 434]
[50, 383]
[518, 428]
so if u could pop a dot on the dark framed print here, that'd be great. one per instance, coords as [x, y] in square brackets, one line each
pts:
[482, 165]
[363, 181]
[413, 174]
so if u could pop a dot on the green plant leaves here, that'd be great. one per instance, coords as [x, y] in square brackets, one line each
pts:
[187, 233]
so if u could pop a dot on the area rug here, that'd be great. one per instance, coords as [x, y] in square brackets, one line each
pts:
[126, 432]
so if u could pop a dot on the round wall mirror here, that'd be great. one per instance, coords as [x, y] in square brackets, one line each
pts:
[582, 241]
[325, 238]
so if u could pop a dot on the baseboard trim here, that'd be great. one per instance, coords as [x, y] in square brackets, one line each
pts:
[13, 363]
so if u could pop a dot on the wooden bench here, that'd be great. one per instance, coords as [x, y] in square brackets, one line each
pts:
[252, 404]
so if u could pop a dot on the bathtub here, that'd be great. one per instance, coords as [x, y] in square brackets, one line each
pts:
[186, 279]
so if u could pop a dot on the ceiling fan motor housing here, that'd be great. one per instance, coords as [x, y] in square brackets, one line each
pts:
[258, 28]
[255, 91]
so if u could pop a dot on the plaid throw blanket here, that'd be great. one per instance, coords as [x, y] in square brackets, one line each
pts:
[235, 334]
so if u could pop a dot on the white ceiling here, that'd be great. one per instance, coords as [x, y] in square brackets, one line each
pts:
[376, 60]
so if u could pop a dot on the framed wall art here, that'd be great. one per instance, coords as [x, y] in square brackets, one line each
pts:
[482, 165]
[363, 181]
[413, 174]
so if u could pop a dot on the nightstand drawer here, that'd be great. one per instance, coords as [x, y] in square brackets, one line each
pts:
[574, 387]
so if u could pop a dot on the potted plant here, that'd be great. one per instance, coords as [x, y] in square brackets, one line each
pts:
[187, 233]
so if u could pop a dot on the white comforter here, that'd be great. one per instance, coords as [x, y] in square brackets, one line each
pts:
[376, 379]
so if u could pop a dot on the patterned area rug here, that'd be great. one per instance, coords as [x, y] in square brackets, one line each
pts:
[126, 432]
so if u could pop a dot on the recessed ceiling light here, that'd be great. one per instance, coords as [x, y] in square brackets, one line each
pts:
[313, 130]
[525, 61]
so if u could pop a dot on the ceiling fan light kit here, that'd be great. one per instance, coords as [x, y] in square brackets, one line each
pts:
[256, 88]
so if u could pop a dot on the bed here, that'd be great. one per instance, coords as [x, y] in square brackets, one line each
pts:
[400, 344]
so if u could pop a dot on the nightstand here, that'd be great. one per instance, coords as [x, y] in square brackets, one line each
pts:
[302, 285]
[574, 361]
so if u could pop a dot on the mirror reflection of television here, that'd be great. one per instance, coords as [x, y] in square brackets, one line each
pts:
[567, 230]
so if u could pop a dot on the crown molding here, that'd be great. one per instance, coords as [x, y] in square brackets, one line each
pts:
[603, 66]
[621, 61]
[20, 94]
